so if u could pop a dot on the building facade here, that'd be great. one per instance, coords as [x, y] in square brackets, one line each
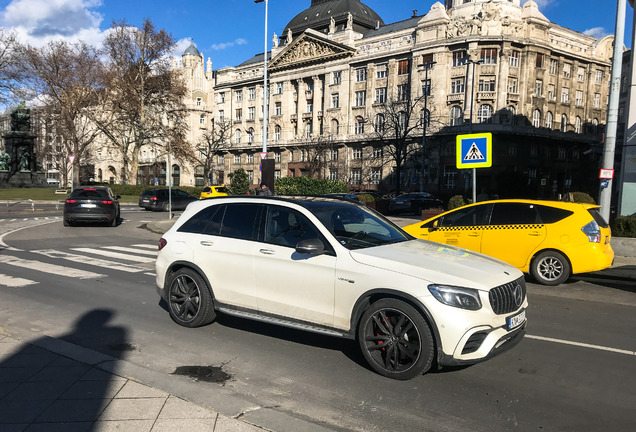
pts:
[338, 75]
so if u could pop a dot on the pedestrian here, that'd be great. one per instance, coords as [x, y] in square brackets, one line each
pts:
[266, 191]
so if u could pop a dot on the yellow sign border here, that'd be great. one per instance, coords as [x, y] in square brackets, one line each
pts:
[458, 150]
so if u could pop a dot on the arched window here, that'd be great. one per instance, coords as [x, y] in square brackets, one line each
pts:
[277, 133]
[335, 127]
[595, 126]
[536, 118]
[176, 175]
[564, 123]
[484, 114]
[456, 114]
[237, 136]
[378, 123]
[509, 115]
[577, 125]
[425, 116]
[250, 135]
[402, 121]
[548, 119]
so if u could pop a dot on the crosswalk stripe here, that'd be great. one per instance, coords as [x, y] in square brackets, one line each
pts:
[131, 250]
[14, 282]
[145, 246]
[88, 260]
[117, 255]
[49, 268]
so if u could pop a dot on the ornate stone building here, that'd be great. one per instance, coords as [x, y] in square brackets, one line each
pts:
[338, 73]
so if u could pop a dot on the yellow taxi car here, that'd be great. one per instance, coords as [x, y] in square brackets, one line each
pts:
[551, 240]
[213, 191]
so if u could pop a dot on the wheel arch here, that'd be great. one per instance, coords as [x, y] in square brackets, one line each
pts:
[549, 249]
[177, 265]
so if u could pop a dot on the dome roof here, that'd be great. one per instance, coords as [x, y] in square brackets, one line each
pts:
[319, 14]
[192, 50]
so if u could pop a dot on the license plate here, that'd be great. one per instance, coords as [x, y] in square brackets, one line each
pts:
[516, 320]
[88, 205]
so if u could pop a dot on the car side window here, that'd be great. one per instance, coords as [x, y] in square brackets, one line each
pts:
[470, 216]
[514, 214]
[207, 221]
[550, 215]
[239, 221]
[286, 227]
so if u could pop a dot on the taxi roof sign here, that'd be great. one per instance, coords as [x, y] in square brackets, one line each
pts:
[474, 150]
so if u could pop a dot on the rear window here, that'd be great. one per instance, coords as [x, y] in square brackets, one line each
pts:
[89, 194]
[550, 215]
[600, 220]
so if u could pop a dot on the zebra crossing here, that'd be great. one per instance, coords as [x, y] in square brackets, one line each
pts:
[136, 258]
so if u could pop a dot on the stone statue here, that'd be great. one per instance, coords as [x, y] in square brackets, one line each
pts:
[332, 26]
[5, 161]
[24, 160]
[21, 118]
[289, 37]
[275, 40]
[349, 21]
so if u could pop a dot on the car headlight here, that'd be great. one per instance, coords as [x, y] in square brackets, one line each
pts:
[464, 298]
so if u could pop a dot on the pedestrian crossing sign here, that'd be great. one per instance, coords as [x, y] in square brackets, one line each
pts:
[474, 150]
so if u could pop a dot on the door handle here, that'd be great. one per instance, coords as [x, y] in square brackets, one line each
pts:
[474, 234]
[535, 233]
[267, 251]
[206, 243]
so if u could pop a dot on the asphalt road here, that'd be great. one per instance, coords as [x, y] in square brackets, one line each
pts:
[575, 370]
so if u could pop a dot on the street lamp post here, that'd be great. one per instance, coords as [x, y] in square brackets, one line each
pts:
[468, 61]
[427, 89]
[265, 92]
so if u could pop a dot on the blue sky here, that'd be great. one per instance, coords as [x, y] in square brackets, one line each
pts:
[231, 31]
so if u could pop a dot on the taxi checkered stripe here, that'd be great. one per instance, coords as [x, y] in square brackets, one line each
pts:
[492, 227]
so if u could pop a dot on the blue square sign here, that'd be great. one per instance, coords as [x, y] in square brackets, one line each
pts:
[474, 150]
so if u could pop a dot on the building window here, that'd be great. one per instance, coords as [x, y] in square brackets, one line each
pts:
[567, 70]
[333, 174]
[336, 77]
[360, 98]
[548, 120]
[484, 114]
[309, 129]
[403, 92]
[536, 118]
[251, 113]
[380, 95]
[379, 123]
[333, 155]
[202, 120]
[237, 159]
[221, 159]
[564, 123]
[237, 136]
[361, 74]
[378, 153]
[335, 127]
[580, 74]
[426, 87]
[457, 85]
[278, 88]
[487, 84]
[512, 85]
[598, 77]
[381, 71]
[597, 100]
[402, 121]
[278, 109]
[277, 133]
[514, 58]
[277, 157]
[221, 115]
[489, 55]
[222, 97]
[376, 175]
[309, 107]
[509, 115]
[335, 100]
[459, 58]
[565, 95]
[450, 173]
[539, 63]
[356, 176]
[357, 153]
[359, 128]
[595, 126]
[578, 101]
[239, 95]
[551, 92]
[238, 114]
[577, 125]
[538, 88]
[456, 114]
[251, 93]
[199, 101]
[250, 135]
[403, 67]
[554, 66]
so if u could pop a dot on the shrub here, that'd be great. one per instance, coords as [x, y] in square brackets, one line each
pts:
[239, 182]
[366, 197]
[456, 201]
[308, 186]
[582, 197]
[624, 226]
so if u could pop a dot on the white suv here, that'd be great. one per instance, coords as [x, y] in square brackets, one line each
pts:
[335, 267]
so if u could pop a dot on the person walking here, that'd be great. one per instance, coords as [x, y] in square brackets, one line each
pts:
[265, 190]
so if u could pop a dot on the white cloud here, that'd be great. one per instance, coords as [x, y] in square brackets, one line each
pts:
[225, 45]
[38, 22]
[597, 32]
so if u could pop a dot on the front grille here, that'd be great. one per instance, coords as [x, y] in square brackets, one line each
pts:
[508, 297]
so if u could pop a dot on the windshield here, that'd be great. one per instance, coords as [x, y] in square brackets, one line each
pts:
[355, 227]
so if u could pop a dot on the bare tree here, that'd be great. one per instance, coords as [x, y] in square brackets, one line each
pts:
[10, 71]
[316, 150]
[214, 141]
[145, 105]
[69, 79]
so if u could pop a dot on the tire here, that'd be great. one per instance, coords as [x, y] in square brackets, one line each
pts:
[189, 299]
[165, 206]
[66, 223]
[550, 268]
[396, 340]
[113, 223]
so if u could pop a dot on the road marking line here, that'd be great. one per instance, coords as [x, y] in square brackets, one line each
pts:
[14, 282]
[584, 345]
[7, 247]
[150, 274]
[83, 259]
[110, 254]
[49, 268]
[131, 250]
[145, 246]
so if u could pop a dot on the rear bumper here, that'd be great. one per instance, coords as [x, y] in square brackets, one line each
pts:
[591, 257]
[89, 217]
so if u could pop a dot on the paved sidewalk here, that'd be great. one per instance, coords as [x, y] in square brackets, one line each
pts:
[49, 385]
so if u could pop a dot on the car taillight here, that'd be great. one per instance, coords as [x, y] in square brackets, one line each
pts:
[107, 202]
[153, 198]
[162, 243]
[592, 231]
[70, 201]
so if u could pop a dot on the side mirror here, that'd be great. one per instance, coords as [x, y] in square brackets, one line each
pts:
[434, 227]
[310, 247]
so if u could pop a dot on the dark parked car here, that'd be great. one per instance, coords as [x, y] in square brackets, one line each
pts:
[414, 202]
[158, 199]
[91, 204]
[347, 196]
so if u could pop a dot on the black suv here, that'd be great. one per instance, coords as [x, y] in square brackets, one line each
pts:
[157, 199]
[91, 204]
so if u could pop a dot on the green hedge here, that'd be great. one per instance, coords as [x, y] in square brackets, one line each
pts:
[308, 186]
[456, 201]
[624, 226]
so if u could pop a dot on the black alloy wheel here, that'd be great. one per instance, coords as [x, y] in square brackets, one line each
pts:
[189, 299]
[396, 340]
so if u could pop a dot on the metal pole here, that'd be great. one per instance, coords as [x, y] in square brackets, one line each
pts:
[426, 65]
[612, 109]
[265, 92]
[470, 126]
[169, 174]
